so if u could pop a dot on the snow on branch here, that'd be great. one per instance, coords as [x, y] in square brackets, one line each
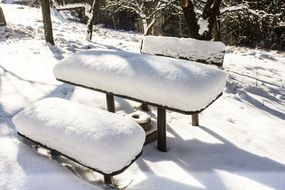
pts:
[147, 10]
[233, 8]
[242, 7]
[71, 6]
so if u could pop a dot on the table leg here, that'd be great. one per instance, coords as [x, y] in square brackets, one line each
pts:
[195, 119]
[108, 179]
[161, 129]
[110, 103]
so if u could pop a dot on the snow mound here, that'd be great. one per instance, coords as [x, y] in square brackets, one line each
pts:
[91, 136]
[186, 48]
[175, 83]
[204, 26]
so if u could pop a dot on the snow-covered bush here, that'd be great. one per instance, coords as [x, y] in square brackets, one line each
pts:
[254, 24]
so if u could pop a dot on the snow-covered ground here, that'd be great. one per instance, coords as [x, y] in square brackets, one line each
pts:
[240, 143]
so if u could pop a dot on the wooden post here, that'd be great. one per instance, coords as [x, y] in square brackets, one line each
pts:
[195, 119]
[47, 21]
[110, 103]
[145, 107]
[2, 18]
[161, 129]
[108, 179]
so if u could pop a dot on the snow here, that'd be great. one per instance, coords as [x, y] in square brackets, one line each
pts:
[187, 48]
[89, 135]
[233, 8]
[72, 6]
[240, 143]
[65, 8]
[140, 117]
[203, 24]
[183, 85]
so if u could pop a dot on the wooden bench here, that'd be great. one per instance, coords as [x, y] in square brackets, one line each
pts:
[167, 83]
[184, 48]
[102, 141]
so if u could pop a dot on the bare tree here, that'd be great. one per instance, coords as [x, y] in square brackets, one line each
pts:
[47, 21]
[2, 18]
[92, 15]
[147, 10]
[201, 16]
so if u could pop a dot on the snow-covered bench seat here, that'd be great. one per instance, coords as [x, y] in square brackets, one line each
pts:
[167, 83]
[105, 142]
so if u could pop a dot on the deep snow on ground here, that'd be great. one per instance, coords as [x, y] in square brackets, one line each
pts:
[240, 143]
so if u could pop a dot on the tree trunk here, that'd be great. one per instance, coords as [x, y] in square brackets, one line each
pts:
[210, 13]
[217, 32]
[47, 21]
[2, 18]
[91, 20]
[214, 15]
[145, 27]
[190, 17]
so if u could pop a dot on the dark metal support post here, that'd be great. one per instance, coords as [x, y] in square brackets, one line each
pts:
[195, 119]
[110, 103]
[145, 107]
[108, 179]
[161, 128]
[54, 154]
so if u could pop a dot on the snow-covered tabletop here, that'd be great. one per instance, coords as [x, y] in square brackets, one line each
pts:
[99, 139]
[179, 84]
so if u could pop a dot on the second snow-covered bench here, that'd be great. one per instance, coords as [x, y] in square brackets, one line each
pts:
[105, 142]
[168, 83]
